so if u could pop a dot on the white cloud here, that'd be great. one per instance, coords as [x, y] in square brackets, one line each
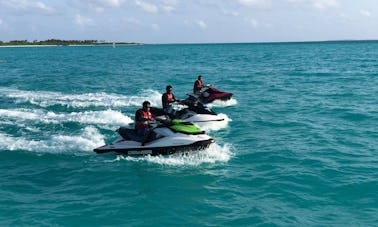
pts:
[4, 26]
[366, 13]
[83, 21]
[167, 8]
[98, 9]
[132, 20]
[296, 1]
[318, 4]
[253, 22]
[134, 23]
[201, 24]
[230, 12]
[324, 4]
[169, 5]
[155, 27]
[27, 5]
[255, 3]
[113, 3]
[98, 6]
[147, 7]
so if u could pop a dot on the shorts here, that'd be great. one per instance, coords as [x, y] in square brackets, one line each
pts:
[169, 110]
[143, 131]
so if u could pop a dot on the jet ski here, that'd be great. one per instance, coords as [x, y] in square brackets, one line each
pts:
[168, 137]
[194, 112]
[210, 94]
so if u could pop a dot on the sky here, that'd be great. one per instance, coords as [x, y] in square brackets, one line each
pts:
[189, 21]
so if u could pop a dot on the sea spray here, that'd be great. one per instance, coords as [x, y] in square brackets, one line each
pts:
[214, 154]
[221, 103]
[100, 99]
[85, 141]
[104, 117]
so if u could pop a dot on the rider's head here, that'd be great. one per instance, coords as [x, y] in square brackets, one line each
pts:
[146, 105]
[168, 88]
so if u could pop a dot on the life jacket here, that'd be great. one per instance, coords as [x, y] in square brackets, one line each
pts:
[140, 123]
[197, 86]
[169, 100]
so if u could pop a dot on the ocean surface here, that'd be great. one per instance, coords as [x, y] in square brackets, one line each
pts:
[299, 146]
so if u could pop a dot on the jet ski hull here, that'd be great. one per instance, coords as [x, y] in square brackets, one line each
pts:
[153, 151]
[193, 114]
[224, 96]
[168, 138]
[212, 94]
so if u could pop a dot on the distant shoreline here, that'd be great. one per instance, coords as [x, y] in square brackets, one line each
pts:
[59, 42]
[30, 44]
[278, 42]
[72, 45]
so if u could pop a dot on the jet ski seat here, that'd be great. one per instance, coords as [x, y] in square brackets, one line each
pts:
[129, 134]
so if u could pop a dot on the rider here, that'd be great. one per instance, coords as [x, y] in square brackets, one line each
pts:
[167, 99]
[143, 117]
[198, 85]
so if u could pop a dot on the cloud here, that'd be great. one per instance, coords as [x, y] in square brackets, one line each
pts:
[255, 3]
[324, 4]
[201, 24]
[136, 24]
[253, 22]
[230, 12]
[296, 1]
[155, 27]
[83, 21]
[27, 6]
[366, 13]
[169, 5]
[98, 6]
[132, 20]
[113, 3]
[147, 7]
[196, 23]
[3, 25]
[167, 8]
[318, 4]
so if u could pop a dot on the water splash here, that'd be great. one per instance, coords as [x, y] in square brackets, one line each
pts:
[214, 125]
[99, 99]
[106, 117]
[86, 141]
[220, 103]
[215, 153]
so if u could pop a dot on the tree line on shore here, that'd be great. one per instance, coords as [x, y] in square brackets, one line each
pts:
[60, 42]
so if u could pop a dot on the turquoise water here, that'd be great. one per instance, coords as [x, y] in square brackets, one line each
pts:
[299, 146]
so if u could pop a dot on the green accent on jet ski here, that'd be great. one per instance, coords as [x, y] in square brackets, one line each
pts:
[184, 127]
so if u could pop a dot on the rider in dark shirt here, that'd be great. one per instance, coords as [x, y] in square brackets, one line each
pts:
[143, 117]
[198, 85]
[167, 99]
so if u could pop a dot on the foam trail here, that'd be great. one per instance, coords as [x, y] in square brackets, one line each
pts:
[99, 99]
[89, 139]
[220, 103]
[109, 117]
[213, 154]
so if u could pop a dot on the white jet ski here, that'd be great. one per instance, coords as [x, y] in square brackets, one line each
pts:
[195, 112]
[166, 138]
